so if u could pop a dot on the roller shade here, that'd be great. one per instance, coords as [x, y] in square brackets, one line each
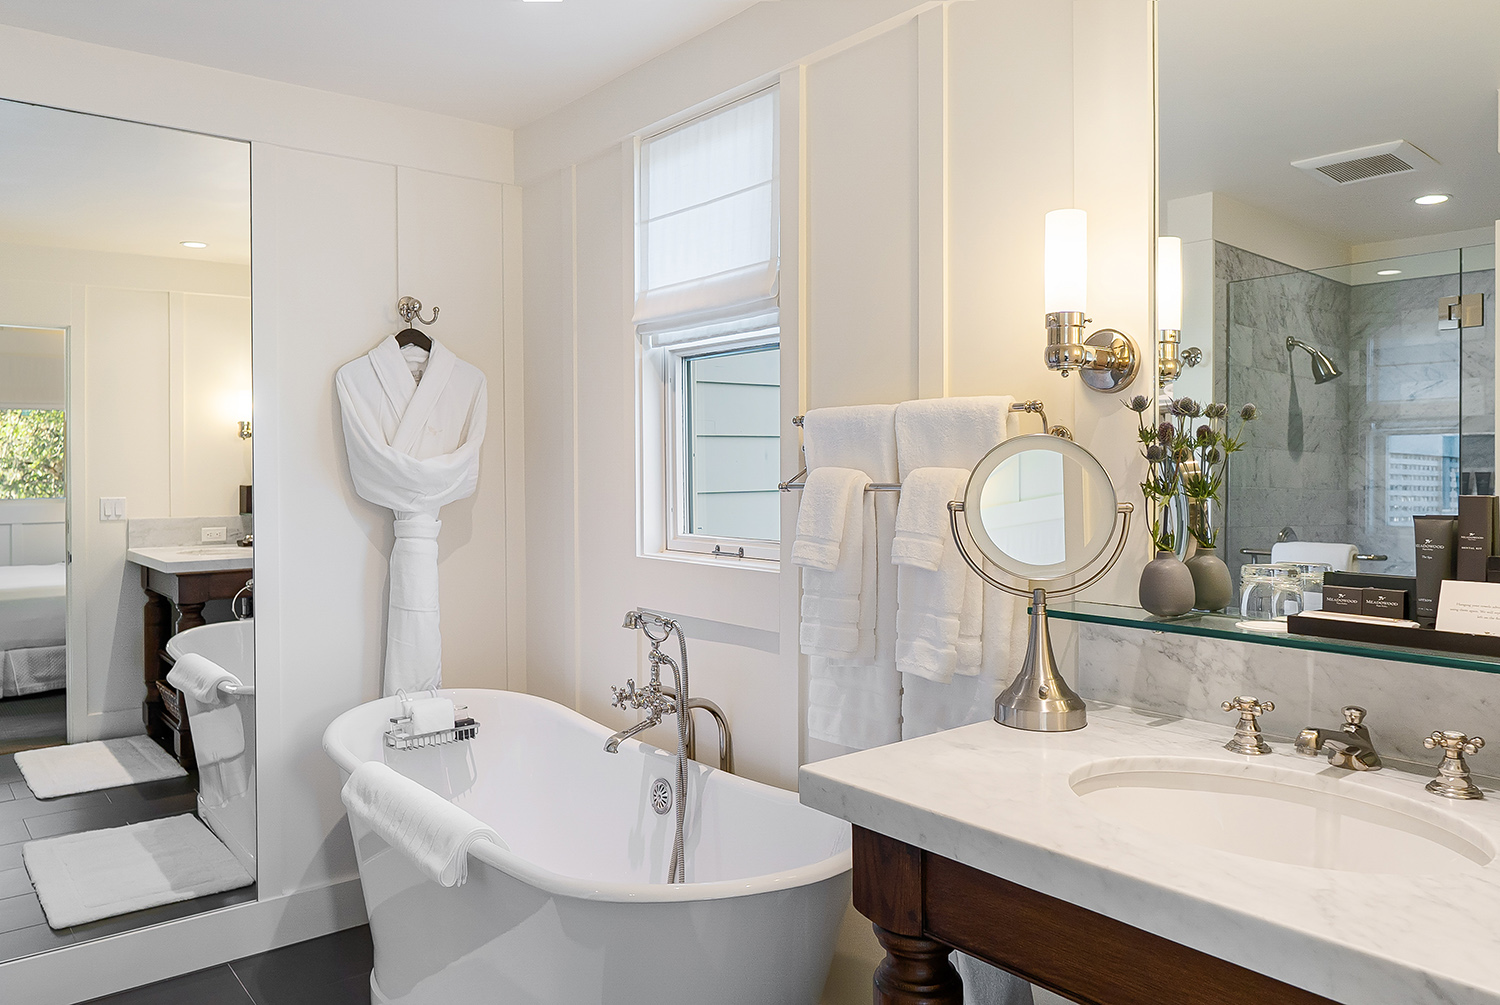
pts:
[708, 225]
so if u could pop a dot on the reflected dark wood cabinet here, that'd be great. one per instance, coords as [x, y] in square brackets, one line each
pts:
[924, 906]
[174, 603]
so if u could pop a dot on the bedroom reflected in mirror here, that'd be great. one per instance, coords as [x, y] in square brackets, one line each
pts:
[1336, 188]
[127, 661]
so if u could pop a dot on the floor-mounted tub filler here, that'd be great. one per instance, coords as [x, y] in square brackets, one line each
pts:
[577, 908]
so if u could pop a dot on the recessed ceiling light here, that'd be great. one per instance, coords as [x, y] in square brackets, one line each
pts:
[1431, 200]
[1389, 272]
[193, 244]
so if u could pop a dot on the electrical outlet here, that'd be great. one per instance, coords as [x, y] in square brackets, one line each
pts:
[111, 507]
[214, 535]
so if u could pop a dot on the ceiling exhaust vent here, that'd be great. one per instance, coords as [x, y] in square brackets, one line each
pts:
[1366, 163]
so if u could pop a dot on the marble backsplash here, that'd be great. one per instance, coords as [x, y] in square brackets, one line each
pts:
[1188, 676]
[168, 531]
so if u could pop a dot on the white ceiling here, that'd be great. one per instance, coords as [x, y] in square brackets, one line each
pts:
[1248, 86]
[80, 181]
[499, 61]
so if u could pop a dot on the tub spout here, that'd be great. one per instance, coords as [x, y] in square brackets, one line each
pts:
[612, 746]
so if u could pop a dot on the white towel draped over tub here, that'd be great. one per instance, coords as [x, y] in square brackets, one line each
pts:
[413, 448]
[855, 701]
[420, 824]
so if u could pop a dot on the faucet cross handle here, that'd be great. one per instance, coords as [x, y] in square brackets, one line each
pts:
[1247, 738]
[1354, 716]
[1453, 780]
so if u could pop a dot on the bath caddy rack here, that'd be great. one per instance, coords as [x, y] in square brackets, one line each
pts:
[400, 737]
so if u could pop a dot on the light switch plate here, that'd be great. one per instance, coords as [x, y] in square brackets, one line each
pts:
[214, 535]
[111, 508]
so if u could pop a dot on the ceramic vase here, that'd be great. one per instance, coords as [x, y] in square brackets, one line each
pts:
[1212, 587]
[1167, 586]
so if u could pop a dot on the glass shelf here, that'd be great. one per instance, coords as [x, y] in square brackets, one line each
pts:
[1223, 626]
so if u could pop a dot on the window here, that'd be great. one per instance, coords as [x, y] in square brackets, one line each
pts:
[31, 453]
[1421, 476]
[707, 272]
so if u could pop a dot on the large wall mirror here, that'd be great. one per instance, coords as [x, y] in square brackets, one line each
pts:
[1333, 174]
[126, 527]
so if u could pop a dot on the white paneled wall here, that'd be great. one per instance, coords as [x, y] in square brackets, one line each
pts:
[32, 531]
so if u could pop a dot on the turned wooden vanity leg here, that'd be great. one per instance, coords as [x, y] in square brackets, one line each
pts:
[189, 616]
[915, 971]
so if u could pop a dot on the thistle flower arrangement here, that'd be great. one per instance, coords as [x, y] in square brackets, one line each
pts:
[1187, 458]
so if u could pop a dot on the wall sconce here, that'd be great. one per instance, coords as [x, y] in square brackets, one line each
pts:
[244, 429]
[1108, 359]
[1168, 309]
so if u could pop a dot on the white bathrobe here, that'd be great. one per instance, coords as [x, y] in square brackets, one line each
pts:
[413, 448]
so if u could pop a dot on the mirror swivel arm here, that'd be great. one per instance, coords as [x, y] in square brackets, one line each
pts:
[956, 507]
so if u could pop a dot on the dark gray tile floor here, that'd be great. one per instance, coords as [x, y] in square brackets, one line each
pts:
[23, 817]
[33, 720]
[333, 970]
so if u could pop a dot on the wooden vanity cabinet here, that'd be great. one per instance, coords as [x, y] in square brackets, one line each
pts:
[184, 593]
[924, 906]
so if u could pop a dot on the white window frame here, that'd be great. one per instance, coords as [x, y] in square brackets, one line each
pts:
[675, 448]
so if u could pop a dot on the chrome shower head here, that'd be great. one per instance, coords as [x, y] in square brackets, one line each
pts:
[1323, 368]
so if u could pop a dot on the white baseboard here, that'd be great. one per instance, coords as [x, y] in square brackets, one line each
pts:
[105, 966]
[108, 725]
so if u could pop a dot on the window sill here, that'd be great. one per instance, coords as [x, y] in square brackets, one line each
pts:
[699, 558]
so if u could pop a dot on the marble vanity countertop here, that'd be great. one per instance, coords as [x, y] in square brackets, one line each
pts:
[1000, 800]
[177, 559]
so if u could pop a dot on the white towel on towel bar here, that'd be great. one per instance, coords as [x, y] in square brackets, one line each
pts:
[200, 677]
[834, 545]
[949, 432]
[420, 824]
[856, 702]
[1340, 556]
[931, 578]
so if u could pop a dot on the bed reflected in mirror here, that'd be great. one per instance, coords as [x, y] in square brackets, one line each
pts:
[127, 669]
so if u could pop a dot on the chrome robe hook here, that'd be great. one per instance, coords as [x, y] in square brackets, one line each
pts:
[410, 309]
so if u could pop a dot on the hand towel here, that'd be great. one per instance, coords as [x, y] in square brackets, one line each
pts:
[833, 592]
[200, 677]
[429, 830]
[931, 578]
[822, 515]
[856, 701]
[1340, 556]
[949, 432]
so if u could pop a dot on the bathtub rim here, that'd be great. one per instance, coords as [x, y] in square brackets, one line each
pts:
[559, 884]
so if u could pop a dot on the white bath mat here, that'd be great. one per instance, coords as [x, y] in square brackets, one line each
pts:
[99, 764]
[98, 874]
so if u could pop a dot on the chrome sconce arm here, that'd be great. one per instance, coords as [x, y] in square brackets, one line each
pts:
[1107, 360]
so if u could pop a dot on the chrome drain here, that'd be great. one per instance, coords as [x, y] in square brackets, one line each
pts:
[661, 796]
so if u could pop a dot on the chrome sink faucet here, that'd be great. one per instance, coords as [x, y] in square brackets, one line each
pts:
[1349, 746]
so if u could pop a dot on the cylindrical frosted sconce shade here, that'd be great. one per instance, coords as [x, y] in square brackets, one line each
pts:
[1169, 284]
[1067, 261]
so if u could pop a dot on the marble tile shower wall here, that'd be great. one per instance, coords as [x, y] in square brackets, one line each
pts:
[1188, 676]
[1292, 472]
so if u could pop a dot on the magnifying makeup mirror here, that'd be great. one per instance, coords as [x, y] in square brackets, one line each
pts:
[1040, 508]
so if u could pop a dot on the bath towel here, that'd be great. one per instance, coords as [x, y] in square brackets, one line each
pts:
[429, 830]
[856, 702]
[200, 677]
[931, 578]
[1340, 556]
[413, 448]
[838, 578]
[949, 432]
[956, 433]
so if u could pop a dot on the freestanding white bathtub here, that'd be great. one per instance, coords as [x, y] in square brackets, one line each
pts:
[224, 734]
[577, 910]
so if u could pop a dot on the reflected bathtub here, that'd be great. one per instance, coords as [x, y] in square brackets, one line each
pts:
[224, 735]
[577, 910]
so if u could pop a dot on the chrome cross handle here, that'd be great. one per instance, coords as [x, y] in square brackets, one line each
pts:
[627, 696]
[1247, 738]
[1453, 780]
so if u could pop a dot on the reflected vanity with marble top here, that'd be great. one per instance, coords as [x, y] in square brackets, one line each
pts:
[1137, 862]
[184, 577]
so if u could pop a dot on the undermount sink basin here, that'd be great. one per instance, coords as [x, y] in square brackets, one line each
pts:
[1281, 815]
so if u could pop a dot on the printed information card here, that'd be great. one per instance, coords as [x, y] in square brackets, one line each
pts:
[1470, 608]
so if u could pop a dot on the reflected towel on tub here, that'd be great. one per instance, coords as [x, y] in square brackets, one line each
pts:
[200, 677]
[429, 830]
